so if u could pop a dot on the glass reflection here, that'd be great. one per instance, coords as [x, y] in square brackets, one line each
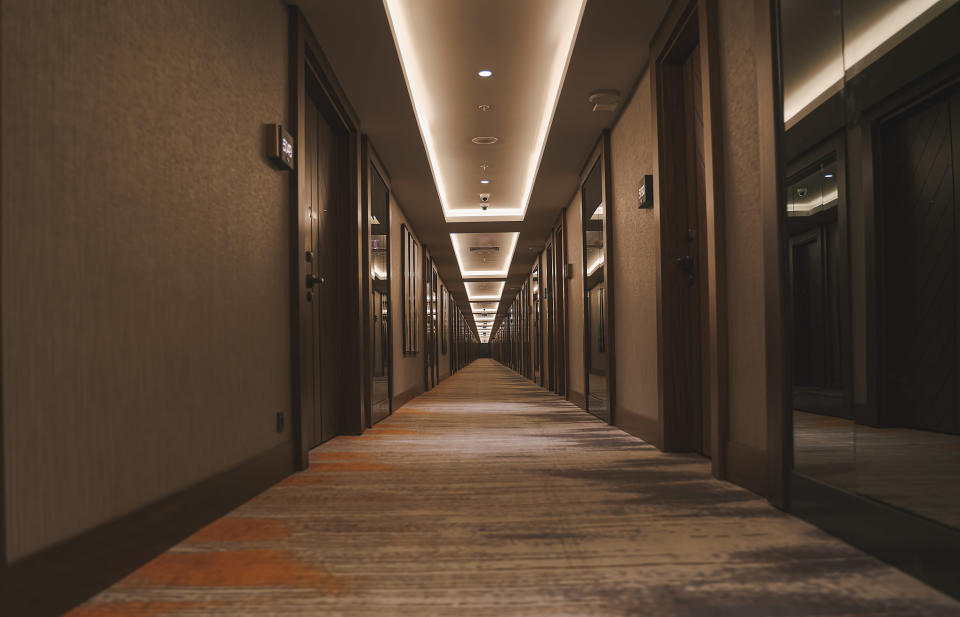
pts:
[872, 150]
[380, 296]
[536, 334]
[595, 351]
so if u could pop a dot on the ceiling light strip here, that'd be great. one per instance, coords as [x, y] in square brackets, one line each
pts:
[418, 85]
[456, 240]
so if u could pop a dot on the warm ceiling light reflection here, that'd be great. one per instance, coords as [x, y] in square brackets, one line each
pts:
[803, 98]
[557, 32]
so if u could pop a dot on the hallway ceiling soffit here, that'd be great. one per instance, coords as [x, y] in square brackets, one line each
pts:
[610, 52]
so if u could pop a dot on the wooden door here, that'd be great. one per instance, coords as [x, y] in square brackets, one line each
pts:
[323, 192]
[682, 232]
[549, 364]
[918, 268]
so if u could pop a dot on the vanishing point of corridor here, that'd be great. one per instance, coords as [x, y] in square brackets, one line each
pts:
[490, 496]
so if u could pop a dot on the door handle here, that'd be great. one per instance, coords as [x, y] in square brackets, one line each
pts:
[313, 280]
[686, 263]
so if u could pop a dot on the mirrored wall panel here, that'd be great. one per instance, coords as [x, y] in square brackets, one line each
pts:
[594, 317]
[380, 296]
[872, 231]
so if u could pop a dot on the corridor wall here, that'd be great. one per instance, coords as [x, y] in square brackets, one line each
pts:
[735, 319]
[145, 283]
[408, 367]
[634, 249]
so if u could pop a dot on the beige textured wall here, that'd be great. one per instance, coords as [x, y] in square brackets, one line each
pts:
[634, 259]
[407, 370]
[574, 291]
[144, 253]
[743, 225]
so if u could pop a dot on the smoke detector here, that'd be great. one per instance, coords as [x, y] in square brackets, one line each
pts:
[604, 100]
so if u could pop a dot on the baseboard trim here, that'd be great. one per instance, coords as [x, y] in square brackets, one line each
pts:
[56, 579]
[747, 467]
[647, 429]
[578, 399]
[406, 396]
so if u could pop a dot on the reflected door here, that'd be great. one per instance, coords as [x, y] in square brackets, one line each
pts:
[381, 323]
[919, 269]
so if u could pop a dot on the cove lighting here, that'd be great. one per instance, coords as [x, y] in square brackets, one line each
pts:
[480, 292]
[420, 47]
[461, 247]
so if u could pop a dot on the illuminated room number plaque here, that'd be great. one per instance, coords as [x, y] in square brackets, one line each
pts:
[279, 147]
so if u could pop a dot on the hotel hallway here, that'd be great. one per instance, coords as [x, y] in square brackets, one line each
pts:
[488, 496]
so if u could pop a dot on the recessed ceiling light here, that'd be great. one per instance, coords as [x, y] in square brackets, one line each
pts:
[484, 181]
[827, 175]
[485, 73]
[484, 107]
[485, 141]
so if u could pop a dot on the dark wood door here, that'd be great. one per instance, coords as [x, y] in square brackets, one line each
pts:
[918, 268]
[549, 363]
[684, 281]
[809, 318]
[322, 151]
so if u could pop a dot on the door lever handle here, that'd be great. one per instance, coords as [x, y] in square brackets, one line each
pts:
[313, 280]
[685, 263]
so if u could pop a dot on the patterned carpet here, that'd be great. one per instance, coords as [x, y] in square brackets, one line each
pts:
[490, 497]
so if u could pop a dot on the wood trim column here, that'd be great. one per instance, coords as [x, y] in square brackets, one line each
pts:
[770, 133]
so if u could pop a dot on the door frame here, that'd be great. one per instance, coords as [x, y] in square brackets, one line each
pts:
[601, 154]
[371, 161]
[307, 61]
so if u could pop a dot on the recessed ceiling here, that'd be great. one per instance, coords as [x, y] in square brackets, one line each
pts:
[484, 307]
[484, 290]
[484, 256]
[610, 53]
[484, 79]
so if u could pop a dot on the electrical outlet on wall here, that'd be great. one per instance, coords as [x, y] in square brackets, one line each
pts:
[280, 421]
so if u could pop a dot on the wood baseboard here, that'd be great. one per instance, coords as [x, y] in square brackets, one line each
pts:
[747, 466]
[578, 399]
[405, 397]
[647, 429]
[56, 579]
